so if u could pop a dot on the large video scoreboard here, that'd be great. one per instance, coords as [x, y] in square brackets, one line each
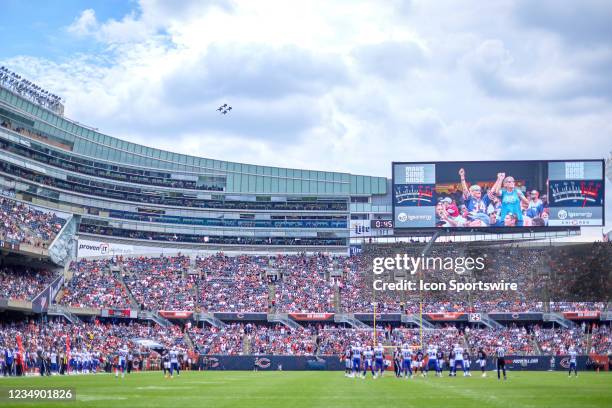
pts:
[500, 194]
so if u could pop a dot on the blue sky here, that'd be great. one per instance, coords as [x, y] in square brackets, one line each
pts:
[37, 27]
[332, 85]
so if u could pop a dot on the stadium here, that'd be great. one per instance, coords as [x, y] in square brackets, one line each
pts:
[147, 277]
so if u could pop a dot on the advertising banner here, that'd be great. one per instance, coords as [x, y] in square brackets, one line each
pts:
[581, 315]
[233, 317]
[311, 316]
[176, 314]
[449, 316]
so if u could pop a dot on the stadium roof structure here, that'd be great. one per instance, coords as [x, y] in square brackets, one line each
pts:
[239, 177]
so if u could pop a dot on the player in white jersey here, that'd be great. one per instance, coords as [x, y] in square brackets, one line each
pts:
[356, 350]
[95, 361]
[406, 361]
[467, 362]
[53, 362]
[122, 354]
[573, 362]
[501, 360]
[432, 359]
[459, 360]
[379, 359]
[368, 362]
[174, 362]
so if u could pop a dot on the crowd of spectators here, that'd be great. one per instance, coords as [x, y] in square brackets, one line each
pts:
[238, 339]
[161, 283]
[23, 283]
[601, 340]
[515, 340]
[558, 341]
[93, 285]
[23, 224]
[233, 284]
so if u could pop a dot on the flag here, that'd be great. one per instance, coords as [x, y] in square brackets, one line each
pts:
[67, 353]
[21, 353]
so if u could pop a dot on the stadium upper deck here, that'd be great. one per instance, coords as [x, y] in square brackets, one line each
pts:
[131, 191]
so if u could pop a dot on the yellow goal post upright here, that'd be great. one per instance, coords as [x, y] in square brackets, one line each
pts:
[424, 253]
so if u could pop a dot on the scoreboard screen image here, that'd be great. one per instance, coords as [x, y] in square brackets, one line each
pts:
[498, 194]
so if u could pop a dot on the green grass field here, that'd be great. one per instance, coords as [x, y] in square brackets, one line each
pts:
[323, 389]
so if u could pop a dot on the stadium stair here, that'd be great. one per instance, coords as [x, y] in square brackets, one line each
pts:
[283, 318]
[588, 342]
[559, 319]
[119, 275]
[490, 323]
[154, 316]
[351, 320]
[59, 310]
[416, 320]
[536, 346]
[188, 340]
[246, 344]
[210, 319]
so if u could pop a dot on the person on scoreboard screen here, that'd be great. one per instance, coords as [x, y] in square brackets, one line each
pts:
[535, 208]
[511, 198]
[473, 198]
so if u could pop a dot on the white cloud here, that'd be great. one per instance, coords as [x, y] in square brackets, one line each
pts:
[345, 86]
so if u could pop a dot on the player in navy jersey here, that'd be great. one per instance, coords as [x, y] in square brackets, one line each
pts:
[368, 363]
[482, 361]
[501, 363]
[573, 363]
[379, 359]
[440, 362]
[419, 363]
[348, 366]
[451, 362]
[397, 362]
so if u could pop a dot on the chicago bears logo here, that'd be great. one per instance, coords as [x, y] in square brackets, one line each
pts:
[240, 315]
[213, 362]
[564, 362]
[515, 315]
[263, 362]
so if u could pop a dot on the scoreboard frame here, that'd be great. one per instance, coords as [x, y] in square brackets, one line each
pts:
[496, 229]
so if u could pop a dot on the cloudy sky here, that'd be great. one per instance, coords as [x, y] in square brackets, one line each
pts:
[343, 85]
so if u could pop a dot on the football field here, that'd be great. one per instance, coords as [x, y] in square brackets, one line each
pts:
[323, 389]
